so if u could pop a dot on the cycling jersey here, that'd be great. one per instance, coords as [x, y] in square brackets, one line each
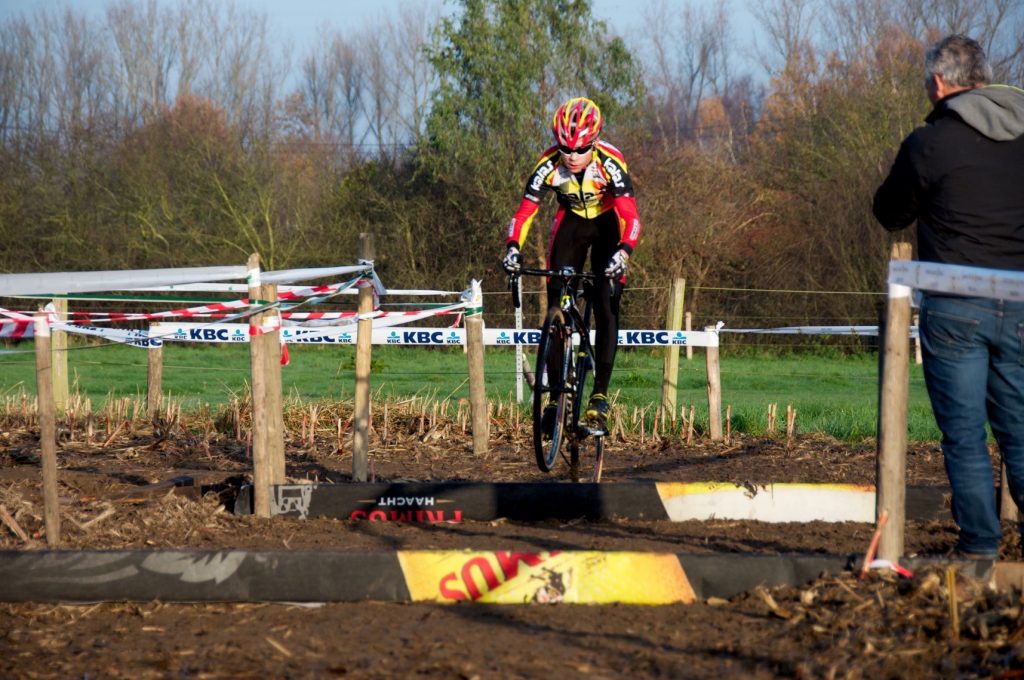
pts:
[602, 186]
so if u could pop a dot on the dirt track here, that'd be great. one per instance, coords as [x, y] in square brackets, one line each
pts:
[837, 627]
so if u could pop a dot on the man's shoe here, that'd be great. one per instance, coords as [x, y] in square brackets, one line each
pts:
[597, 412]
[547, 420]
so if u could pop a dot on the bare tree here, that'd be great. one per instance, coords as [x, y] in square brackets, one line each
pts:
[146, 52]
[330, 92]
[688, 61]
[789, 26]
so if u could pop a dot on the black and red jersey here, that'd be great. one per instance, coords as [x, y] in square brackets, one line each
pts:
[602, 186]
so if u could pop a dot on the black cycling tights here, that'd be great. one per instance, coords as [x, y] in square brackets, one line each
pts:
[574, 236]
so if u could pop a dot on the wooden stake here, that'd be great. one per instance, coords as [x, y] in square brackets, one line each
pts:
[892, 415]
[1008, 510]
[714, 376]
[262, 474]
[670, 365]
[689, 429]
[688, 323]
[59, 354]
[272, 369]
[47, 429]
[728, 424]
[154, 379]
[954, 607]
[477, 387]
[364, 357]
[917, 342]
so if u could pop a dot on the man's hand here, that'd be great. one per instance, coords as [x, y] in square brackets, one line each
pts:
[513, 261]
[617, 265]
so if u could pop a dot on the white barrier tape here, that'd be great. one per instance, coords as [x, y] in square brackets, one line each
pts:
[243, 289]
[386, 319]
[17, 316]
[957, 279]
[292, 275]
[16, 329]
[808, 330]
[252, 278]
[899, 292]
[82, 282]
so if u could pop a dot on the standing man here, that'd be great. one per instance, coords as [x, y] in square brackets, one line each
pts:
[961, 176]
[597, 215]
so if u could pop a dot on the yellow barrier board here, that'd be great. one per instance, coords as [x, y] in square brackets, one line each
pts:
[588, 577]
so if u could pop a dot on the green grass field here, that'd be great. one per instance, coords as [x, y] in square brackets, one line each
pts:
[833, 395]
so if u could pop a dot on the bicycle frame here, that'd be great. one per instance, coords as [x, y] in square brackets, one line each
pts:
[565, 386]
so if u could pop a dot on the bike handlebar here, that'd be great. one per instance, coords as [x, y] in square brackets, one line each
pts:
[566, 274]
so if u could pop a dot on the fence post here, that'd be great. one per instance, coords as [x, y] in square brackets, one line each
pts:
[477, 388]
[364, 349]
[154, 378]
[670, 368]
[1008, 510]
[59, 354]
[714, 374]
[892, 416]
[688, 325]
[261, 474]
[917, 341]
[47, 428]
[271, 340]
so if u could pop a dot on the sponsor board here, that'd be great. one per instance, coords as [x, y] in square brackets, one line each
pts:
[545, 577]
[346, 335]
[768, 503]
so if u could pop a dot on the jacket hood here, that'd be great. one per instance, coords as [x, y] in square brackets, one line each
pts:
[996, 111]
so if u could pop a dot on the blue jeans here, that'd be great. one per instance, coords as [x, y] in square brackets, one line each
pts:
[973, 355]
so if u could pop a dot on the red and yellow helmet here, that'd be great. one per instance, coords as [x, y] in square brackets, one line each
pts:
[577, 123]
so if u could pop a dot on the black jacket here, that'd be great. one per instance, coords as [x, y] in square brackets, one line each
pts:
[961, 176]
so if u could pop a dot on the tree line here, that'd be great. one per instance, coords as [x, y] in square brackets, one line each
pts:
[184, 134]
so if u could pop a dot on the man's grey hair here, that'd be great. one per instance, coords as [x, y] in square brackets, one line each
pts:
[960, 61]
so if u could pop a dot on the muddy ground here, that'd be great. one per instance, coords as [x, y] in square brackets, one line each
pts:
[839, 626]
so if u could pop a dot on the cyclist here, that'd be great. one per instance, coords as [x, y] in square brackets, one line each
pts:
[596, 212]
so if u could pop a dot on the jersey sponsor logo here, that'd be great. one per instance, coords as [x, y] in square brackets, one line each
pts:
[537, 183]
[615, 172]
[634, 230]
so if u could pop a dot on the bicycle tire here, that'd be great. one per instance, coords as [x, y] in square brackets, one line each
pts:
[584, 385]
[554, 338]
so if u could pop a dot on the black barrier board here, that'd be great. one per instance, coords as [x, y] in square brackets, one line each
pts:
[425, 502]
[199, 576]
[724, 576]
[458, 501]
[337, 576]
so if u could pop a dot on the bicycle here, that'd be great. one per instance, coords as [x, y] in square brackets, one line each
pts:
[571, 374]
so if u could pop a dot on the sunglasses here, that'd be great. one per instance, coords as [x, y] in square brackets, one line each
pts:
[582, 150]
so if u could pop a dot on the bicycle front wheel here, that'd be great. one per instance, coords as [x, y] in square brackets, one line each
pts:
[584, 438]
[551, 386]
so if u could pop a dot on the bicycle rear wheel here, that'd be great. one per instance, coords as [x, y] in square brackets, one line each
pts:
[583, 437]
[554, 358]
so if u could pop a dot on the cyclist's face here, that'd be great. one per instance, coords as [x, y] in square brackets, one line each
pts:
[575, 161]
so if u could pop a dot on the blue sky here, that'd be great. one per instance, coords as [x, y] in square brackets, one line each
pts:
[300, 19]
